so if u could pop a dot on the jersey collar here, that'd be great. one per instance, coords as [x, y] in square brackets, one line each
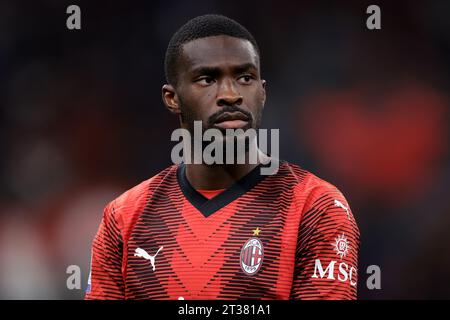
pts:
[209, 206]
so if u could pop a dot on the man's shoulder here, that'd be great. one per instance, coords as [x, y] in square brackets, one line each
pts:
[309, 183]
[137, 196]
[303, 176]
[317, 195]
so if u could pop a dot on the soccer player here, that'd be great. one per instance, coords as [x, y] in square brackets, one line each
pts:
[198, 231]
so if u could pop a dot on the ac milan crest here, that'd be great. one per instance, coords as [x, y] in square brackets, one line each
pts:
[252, 256]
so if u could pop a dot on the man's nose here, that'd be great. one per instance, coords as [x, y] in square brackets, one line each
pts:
[228, 94]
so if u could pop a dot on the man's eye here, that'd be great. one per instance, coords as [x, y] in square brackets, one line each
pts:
[205, 81]
[247, 79]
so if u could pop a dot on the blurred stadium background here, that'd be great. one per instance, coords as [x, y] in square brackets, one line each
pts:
[81, 121]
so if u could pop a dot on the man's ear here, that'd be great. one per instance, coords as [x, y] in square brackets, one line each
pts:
[263, 84]
[170, 99]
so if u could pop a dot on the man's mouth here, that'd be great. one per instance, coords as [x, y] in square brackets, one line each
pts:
[233, 120]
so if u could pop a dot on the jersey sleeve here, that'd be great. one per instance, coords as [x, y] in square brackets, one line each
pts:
[327, 250]
[105, 277]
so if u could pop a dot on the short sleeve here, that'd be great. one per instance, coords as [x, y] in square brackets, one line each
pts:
[105, 277]
[327, 249]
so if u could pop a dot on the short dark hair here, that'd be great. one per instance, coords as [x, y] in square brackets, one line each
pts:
[201, 27]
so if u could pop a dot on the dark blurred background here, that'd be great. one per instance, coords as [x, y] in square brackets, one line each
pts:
[81, 121]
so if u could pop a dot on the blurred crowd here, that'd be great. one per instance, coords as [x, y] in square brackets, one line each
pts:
[81, 121]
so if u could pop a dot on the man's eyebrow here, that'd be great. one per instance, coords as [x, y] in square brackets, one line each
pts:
[217, 70]
[245, 67]
[206, 70]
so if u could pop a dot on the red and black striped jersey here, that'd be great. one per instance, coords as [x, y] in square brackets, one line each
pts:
[290, 235]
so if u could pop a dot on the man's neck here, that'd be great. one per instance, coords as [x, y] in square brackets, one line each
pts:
[214, 177]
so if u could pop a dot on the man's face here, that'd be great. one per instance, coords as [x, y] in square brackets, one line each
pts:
[219, 84]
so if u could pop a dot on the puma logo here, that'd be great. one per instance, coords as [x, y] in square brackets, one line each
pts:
[339, 204]
[143, 254]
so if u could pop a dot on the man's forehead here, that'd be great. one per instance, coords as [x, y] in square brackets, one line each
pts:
[216, 50]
